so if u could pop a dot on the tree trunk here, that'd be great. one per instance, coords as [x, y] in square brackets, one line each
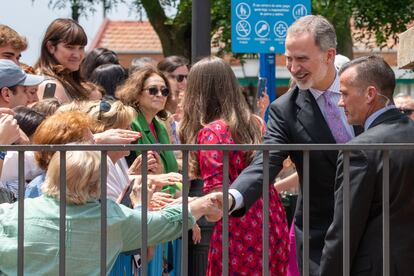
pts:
[175, 36]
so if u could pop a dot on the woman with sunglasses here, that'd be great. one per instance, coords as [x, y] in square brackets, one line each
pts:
[176, 70]
[62, 51]
[148, 91]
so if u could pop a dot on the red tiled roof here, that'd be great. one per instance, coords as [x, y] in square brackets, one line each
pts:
[127, 37]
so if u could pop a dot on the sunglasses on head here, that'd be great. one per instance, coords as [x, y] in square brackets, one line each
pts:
[104, 106]
[407, 111]
[154, 91]
[179, 78]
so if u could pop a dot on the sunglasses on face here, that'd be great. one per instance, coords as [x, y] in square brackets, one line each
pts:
[154, 91]
[179, 78]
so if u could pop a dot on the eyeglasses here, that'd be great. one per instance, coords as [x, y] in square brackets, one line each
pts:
[407, 111]
[179, 78]
[154, 91]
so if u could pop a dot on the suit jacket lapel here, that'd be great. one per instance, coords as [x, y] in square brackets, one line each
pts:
[311, 118]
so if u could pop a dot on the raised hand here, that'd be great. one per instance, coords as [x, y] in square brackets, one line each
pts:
[9, 129]
[155, 165]
[116, 136]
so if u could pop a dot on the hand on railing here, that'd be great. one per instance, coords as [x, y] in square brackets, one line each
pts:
[116, 136]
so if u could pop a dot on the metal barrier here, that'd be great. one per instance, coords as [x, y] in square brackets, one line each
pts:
[305, 148]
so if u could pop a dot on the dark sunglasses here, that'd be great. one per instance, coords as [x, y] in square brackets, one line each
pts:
[407, 111]
[179, 78]
[154, 91]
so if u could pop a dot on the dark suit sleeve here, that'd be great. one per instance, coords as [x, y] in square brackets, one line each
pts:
[250, 181]
[362, 186]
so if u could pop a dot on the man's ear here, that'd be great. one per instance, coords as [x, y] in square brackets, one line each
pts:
[331, 53]
[371, 93]
[5, 94]
[50, 47]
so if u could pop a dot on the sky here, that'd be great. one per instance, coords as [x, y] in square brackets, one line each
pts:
[31, 19]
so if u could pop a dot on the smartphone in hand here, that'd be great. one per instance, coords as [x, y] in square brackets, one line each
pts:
[261, 86]
[49, 91]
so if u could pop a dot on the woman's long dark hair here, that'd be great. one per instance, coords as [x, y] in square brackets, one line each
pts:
[70, 32]
[213, 93]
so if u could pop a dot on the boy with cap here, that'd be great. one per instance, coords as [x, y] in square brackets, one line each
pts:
[13, 84]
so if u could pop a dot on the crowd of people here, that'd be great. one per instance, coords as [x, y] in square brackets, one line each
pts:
[73, 97]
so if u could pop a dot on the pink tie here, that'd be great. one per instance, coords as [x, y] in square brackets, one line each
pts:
[333, 117]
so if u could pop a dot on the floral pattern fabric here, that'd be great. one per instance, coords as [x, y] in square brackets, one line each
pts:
[245, 233]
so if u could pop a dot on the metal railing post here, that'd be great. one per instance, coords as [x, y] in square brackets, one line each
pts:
[20, 216]
[185, 191]
[305, 195]
[265, 241]
[62, 213]
[346, 211]
[104, 171]
[144, 213]
[225, 225]
[386, 212]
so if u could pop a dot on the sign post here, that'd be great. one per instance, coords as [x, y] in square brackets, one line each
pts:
[260, 26]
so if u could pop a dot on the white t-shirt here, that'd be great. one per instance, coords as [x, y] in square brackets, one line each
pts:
[117, 179]
[10, 169]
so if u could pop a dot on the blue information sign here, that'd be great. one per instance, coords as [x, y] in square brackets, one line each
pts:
[260, 26]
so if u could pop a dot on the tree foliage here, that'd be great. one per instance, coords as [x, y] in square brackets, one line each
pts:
[83, 7]
[171, 19]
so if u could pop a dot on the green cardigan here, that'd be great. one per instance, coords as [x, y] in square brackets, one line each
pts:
[168, 158]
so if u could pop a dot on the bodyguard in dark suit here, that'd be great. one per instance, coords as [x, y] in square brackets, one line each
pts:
[307, 114]
[367, 85]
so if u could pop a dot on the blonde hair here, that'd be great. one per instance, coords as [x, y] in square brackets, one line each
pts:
[82, 177]
[118, 115]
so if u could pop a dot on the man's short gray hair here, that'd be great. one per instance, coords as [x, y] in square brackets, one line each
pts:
[322, 30]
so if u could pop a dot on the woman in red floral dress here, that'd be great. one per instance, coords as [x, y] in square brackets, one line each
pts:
[215, 112]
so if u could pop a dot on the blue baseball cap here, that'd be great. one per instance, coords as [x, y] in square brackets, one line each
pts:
[11, 74]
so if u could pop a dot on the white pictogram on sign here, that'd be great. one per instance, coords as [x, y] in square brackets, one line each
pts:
[262, 28]
[299, 10]
[280, 29]
[243, 28]
[243, 11]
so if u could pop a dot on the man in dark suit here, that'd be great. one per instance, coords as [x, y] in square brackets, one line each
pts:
[367, 85]
[307, 114]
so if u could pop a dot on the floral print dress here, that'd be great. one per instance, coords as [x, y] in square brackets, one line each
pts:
[245, 233]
